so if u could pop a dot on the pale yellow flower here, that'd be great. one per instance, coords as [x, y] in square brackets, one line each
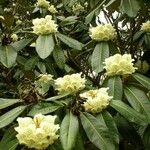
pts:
[14, 37]
[119, 65]
[39, 132]
[52, 9]
[43, 4]
[96, 100]
[44, 26]
[77, 8]
[44, 78]
[70, 84]
[18, 22]
[146, 26]
[102, 32]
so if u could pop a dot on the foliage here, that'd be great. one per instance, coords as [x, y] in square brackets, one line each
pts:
[125, 123]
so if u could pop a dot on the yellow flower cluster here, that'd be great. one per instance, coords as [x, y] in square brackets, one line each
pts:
[42, 4]
[70, 84]
[96, 100]
[44, 26]
[46, 5]
[77, 8]
[52, 9]
[38, 132]
[119, 65]
[44, 78]
[102, 32]
[146, 26]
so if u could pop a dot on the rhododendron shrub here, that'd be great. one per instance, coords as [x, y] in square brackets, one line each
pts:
[74, 75]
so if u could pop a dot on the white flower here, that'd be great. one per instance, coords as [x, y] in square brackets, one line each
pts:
[52, 9]
[119, 65]
[14, 37]
[37, 133]
[70, 84]
[102, 32]
[146, 26]
[44, 26]
[42, 4]
[96, 100]
[77, 8]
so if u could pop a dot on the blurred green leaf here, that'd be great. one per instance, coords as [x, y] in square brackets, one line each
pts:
[44, 45]
[115, 87]
[90, 16]
[145, 81]
[11, 145]
[44, 108]
[10, 116]
[57, 97]
[70, 42]
[100, 53]
[146, 137]
[8, 55]
[109, 122]
[97, 132]
[19, 45]
[129, 113]
[68, 131]
[59, 57]
[138, 100]
[130, 7]
[4, 102]
[31, 63]
[69, 20]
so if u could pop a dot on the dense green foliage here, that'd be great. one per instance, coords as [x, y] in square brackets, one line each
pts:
[124, 124]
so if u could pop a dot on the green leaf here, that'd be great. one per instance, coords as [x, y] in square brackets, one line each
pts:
[146, 137]
[9, 140]
[130, 7]
[44, 108]
[69, 20]
[11, 145]
[147, 40]
[55, 146]
[8, 56]
[138, 35]
[57, 97]
[31, 63]
[79, 142]
[100, 53]
[10, 116]
[19, 45]
[145, 81]
[138, 100]
[97, 132]
[115, 87]
[129, 113]
[68, 131]
[110, 124]
[44, 45]
[9, 135]
[8, 102]
[110, 3]
[90, 16]
[59, 57]
[70, 42]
